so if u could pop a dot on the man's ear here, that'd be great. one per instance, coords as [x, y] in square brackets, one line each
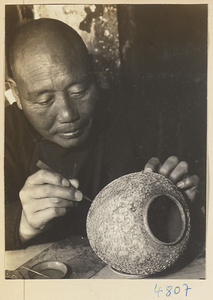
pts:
[14, 88]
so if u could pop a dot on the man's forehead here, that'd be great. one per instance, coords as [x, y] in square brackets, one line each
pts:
[43, 64]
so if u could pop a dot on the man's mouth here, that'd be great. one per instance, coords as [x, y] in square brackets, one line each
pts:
[71, 134]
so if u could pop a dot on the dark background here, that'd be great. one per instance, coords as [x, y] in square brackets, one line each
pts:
[165, 68]
[162, 77]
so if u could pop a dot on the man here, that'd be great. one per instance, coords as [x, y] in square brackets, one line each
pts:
[62, 118]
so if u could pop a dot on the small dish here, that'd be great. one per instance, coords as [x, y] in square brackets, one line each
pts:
[48, 270]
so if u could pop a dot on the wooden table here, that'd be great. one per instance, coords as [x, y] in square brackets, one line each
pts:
[82, 262]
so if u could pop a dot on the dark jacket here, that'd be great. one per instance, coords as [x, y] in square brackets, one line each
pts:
[108, 155]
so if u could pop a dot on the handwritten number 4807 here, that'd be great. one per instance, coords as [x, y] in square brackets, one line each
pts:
[169, 290]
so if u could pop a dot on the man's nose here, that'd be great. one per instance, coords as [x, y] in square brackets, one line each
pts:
[67, 110]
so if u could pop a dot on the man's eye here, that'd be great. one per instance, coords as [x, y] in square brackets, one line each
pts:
[46, 101]
[79, 94]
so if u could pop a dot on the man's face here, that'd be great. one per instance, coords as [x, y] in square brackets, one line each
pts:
[58, 96]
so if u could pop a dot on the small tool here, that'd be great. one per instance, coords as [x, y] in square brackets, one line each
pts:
[38, 273]
[41, 165]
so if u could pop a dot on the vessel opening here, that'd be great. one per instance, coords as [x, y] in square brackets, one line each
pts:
[165, 219]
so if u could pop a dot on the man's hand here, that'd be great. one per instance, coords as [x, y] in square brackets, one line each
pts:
[177, 172]
[45, 196]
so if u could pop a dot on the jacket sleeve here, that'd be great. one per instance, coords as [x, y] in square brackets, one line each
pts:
[12, 220]
[14, 180]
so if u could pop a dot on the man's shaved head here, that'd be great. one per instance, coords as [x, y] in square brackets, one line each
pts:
[52, 81]
[49, 36]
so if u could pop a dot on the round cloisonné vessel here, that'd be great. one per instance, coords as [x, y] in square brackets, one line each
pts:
[139, 224]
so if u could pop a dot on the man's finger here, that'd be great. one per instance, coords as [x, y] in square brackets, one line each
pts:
[168, 166]
[179, 171]
[43, 204]
[54, 191]
[191, 193]
[189, 182]
[44, 216]
[74, 182]
[152, 165]
[45, 176]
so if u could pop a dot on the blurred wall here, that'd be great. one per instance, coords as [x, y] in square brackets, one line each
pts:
[164, 67]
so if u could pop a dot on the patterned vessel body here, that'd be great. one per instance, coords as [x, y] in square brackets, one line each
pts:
[139, 224]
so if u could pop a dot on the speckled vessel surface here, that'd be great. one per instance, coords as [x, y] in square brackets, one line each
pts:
[119, 224]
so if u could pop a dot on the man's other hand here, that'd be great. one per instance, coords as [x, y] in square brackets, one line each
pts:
[177, 172]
